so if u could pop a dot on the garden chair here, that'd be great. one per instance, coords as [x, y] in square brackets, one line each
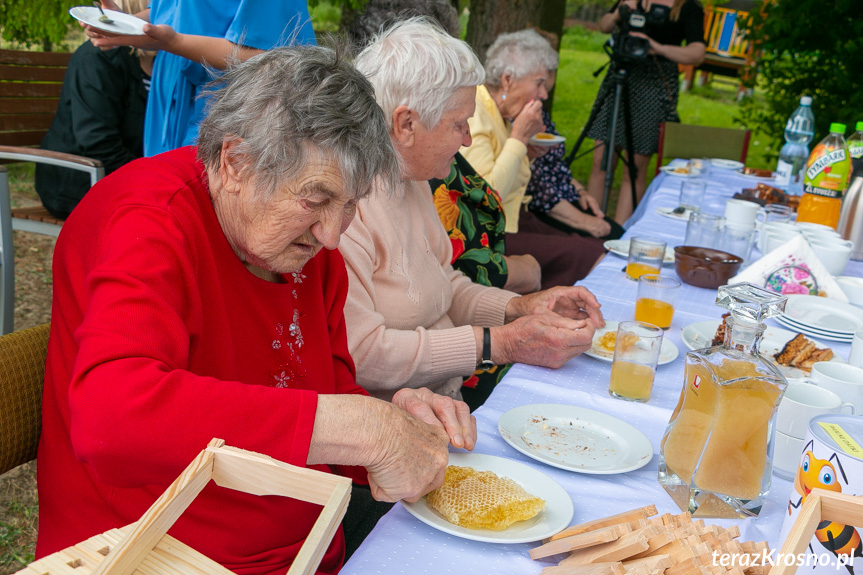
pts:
[30, 84]
[687, 141]
[22, 372]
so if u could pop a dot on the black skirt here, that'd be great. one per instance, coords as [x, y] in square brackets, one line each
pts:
[653, 91]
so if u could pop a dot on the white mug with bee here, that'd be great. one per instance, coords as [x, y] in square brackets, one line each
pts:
[831, 458]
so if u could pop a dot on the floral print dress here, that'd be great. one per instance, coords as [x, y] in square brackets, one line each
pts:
[472, 214]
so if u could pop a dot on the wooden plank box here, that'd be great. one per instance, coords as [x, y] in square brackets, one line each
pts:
[144, 548]
[820, 505]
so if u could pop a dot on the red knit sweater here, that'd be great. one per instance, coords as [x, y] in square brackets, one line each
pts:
[162, 340]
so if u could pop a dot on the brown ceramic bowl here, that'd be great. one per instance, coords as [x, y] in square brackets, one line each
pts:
[705, 267]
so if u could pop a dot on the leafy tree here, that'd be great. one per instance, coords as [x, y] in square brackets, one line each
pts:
[807, 47]
[41, 23]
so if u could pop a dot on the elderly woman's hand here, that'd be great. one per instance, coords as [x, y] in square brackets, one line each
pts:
[528, 123]
[545, 340]
[574, 302]
[411, 457]
[435, 409]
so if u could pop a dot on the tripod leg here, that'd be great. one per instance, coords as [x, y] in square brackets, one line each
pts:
[600, 97]
[633, 169]
[608, 158]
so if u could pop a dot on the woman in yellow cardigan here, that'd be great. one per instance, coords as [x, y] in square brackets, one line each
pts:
[508, 114]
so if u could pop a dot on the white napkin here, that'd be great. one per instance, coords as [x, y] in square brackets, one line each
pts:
[794, 252]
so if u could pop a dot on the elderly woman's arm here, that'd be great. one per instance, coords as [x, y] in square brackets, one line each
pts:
[499, 169]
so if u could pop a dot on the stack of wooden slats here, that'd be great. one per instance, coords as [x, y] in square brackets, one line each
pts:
[639, 542]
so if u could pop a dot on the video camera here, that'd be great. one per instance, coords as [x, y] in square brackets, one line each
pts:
[628, 48]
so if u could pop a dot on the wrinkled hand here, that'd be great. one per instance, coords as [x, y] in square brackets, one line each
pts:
[534, 151]
[590, 204]
[528, 122]
[451, 415]
[574, 302]
[410, 457]
[155, 38]
[544, 340]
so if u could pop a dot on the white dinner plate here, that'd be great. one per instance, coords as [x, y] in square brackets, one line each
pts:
[669, 213]
[556, 515]
[621, 248]
[812, 332]
[667, 353]
[548, 141]
[700, 334]
[725, 164]
[125, 24]
[575, 438]
[823, 314]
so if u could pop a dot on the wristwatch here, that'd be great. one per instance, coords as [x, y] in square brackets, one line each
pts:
[486, 363]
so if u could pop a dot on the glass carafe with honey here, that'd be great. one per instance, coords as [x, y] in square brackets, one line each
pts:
[715, 458]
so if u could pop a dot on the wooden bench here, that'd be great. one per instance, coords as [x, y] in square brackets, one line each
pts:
[30, 84]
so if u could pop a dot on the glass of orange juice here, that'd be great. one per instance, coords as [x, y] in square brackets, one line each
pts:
[645, 256]
[636, 353]
[656, 299]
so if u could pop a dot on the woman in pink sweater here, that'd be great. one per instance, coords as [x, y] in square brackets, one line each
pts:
[193, 300]
[413, 321]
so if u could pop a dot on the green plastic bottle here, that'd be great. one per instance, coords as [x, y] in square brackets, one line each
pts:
[826, 179]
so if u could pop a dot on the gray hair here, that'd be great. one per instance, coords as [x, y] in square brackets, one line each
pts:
[415, 63]
[518, 54]
[379, 15]
[292, 103]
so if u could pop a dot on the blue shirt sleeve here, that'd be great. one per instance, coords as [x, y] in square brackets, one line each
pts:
[264, 25]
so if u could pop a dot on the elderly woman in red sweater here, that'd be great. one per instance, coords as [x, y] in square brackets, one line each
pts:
[199, 294]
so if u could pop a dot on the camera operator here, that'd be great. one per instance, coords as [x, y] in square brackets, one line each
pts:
[648, 45]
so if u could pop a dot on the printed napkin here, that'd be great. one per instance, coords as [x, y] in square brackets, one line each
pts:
[791, 269]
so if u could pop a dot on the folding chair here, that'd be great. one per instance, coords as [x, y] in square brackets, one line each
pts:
[688, 141]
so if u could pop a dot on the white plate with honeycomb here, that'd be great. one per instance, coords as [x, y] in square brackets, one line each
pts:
[602, 347]
[575, 438]
[556, 515]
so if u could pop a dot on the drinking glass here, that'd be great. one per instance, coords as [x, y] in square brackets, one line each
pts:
[703, 229]
[737, 240]
[645, 256]
[636, 353]
[692, 194]
[656, 299]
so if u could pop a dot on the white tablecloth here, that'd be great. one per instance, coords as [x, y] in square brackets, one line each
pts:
[402, 544]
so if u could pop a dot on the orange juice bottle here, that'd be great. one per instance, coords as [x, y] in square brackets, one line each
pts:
[714, 459]
[826, 178]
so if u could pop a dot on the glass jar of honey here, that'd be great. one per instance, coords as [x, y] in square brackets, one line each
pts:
[716, 454]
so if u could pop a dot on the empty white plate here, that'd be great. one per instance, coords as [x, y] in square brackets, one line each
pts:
[575, 438]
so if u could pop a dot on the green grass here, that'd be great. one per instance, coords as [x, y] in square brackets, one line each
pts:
[581, 54]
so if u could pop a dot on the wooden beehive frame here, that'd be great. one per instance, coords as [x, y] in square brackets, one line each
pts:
[820, 506]
[145, 543]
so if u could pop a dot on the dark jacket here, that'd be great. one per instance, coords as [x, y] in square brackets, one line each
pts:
[100, 115]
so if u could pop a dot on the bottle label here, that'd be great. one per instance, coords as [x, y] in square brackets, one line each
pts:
[827, 174]
[783, 173]
[856, 152]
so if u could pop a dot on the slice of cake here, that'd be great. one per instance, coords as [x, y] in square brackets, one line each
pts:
[801, 353]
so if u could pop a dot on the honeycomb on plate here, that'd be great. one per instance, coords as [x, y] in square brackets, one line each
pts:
[482, 500]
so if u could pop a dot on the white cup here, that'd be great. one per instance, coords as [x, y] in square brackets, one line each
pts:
[843, 379]
[770, 239]
[853, 288]
[855, 356]
[741, 212]
[803, 401]
[814, 226]
[786, 454]
[833, 254]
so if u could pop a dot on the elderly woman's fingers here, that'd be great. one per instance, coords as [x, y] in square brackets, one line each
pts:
[412, 458]
[435, 409]
[544, 340]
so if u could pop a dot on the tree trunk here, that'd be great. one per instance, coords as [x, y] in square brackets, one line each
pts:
[490, 18]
